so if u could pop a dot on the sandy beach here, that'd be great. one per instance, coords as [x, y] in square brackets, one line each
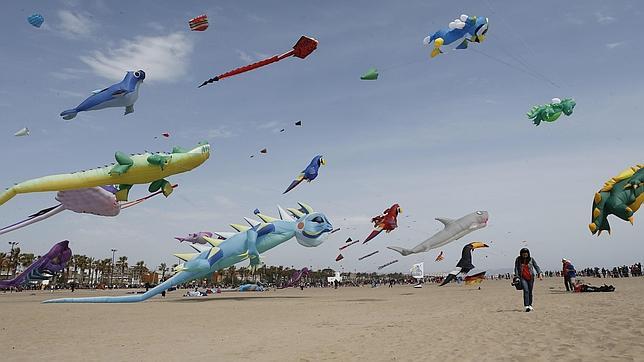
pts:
[452, 323]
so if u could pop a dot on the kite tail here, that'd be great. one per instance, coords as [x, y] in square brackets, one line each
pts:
[179, 278]
[69, 114]
[292, 186]
[7, 195]
[447, 279]
[33, 219]
[373, 234]
[402, 251]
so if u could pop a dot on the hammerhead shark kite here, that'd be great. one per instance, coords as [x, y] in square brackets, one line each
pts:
[44, 268]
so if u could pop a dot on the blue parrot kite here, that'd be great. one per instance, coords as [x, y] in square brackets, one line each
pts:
[122, 94]
[309, 173]
[475, 26]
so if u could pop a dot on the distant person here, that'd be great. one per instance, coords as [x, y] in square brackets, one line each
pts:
[569, 274]
[524, 268]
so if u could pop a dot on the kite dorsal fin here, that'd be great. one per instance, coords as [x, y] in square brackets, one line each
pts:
[446, 221]
[214, 250]
[295, 212]
[283, 214]
[223, 234]
[186, 256]
[266, 218]
[239, 228]
[213, 242]
[252, 222]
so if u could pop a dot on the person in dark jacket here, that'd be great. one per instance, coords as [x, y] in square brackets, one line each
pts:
[569, 274]
[525, 268]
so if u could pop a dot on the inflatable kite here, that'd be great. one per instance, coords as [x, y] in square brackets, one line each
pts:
[453, 230]
[43, 268]
[349, 244]
[22, 132]
[440, 257]
[371, 74]
[465, 264]
[621, 196]
[339, 257]
[36, 20]
[308, 174]
[387, 264]
[388, 221]
[251, 288]
[123, 94]
[309, 228]
[475, 27]
[475, 279]
[301, 49]
[196, 238]
[297, 276]
[368, 255]
[129, 170]
[99, 201]
[551, 112]
[200, 23]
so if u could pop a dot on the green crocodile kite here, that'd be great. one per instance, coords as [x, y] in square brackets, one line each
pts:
[129, 170]
[551, 112]
[621, 196]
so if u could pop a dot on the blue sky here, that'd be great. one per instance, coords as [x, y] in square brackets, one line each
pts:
[442, 137]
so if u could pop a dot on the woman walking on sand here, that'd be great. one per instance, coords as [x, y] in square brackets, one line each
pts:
[524, 268]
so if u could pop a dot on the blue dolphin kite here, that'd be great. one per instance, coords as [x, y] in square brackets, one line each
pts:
[475, 26]
[122, 94]
[309, 174]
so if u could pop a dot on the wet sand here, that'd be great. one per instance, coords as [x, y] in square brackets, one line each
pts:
[451, 323]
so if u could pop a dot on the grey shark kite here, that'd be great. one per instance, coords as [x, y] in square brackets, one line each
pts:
[453, 230]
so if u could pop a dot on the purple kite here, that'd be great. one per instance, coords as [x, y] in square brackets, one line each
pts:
[44, 268]
[297, 276]
[99, 201]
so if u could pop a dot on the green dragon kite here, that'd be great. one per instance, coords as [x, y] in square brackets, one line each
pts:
[128, 171]
[551, 112]
[621, 196]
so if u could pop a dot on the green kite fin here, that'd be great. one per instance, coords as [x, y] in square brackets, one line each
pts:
[122, 193]
[159, 160]
[371, 74]
[124, 163]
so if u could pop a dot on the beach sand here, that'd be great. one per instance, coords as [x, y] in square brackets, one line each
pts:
[451, 323]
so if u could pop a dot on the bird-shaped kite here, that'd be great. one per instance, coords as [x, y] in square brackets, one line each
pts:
[309, 173]
[388, 221]
[440, 257]
[465, 264]
[301, 49]
[460, 28]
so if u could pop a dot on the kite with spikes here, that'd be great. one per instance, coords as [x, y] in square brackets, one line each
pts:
[308, 227]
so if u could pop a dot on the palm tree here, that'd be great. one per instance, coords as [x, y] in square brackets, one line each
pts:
[122, 265]
[26, 259]
[4, 262]
[13, 260]
[163, 268]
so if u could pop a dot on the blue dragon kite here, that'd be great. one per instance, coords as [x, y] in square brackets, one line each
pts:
[308, 228]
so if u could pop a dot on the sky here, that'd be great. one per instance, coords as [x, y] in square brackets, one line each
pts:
[442, 137]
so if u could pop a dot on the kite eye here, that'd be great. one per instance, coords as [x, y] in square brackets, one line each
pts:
[479, 213]
[137, 74]
[317, 219]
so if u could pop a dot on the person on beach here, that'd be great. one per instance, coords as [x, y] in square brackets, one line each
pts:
[525, 267]
[569, 274]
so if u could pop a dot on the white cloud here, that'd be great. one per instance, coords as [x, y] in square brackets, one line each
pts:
[604, 19]
[245, 57]
[76, 24]
[614, 45]
[163, 58]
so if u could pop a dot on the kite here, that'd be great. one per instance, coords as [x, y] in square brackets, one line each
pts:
[263, 151]
[387, 264]
[388, 221]
[349, 244]
[418, 271]
[123, 94]
[371, 74]
[36, 20]
[551, 112]
[474, 26]
[297, 276]
[440, 257]
[301, 49]
[464, 265]
[309, 173]
[474, 279]
[100, 201]
[453, 230]
[621, 196]
[298, 123]
[339, 257]
[43, 268]
[22, 132]
[308, 227]
[196, 238]
[368, 255]
[251, 288]
[200, 23]
[129, 170]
